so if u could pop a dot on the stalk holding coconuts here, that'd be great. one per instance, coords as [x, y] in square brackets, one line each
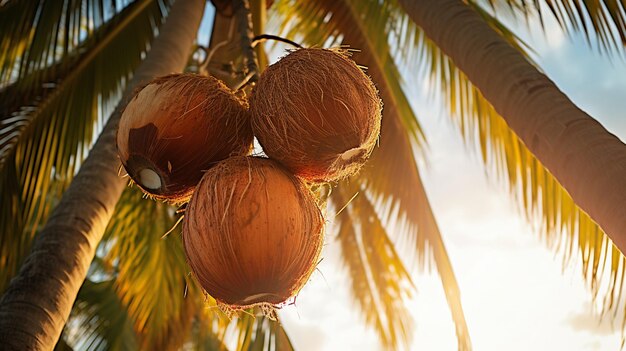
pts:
[252, 233]
[175, 128]
[317, 113]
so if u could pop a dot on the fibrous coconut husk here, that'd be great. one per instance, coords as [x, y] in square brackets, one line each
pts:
[252, 233]
[316, 112]
[177, 127]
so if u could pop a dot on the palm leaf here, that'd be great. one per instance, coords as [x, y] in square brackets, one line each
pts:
[44, 143]
[378, 278]
[35, 34]
[99, 320]
[602, 22]
[151, 273]
[259, 333]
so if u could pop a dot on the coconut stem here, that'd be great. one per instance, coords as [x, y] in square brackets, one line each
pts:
[263, 37]
[244, 23]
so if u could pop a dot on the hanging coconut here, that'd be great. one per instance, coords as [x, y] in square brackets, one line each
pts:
[316, 112]
[252, 233]
[177, 127]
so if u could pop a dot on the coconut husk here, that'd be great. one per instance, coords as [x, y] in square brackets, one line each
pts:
[177, 127]
[316, 112]
[252, 233]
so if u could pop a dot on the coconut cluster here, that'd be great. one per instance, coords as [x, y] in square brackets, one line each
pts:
[253, 230]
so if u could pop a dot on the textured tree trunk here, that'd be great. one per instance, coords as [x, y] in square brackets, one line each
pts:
[39, 299]
[587, 160]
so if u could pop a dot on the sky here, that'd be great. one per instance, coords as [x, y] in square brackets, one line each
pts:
[516, 293]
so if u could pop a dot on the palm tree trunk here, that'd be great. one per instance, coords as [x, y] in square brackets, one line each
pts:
[585, 158]
[39, 299]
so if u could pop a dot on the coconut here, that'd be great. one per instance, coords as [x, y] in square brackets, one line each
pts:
[175, 128]
[316, 112]
[252, 233]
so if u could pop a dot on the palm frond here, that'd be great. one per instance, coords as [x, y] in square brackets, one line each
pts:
[259, 333]
[44, 141]
[99, 320]
[35, 34]
[151, 273]
[565, 225]
[378, 277]
[602, 22]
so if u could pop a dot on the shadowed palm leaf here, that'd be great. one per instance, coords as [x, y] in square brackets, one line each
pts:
[539, 192]
[99, 320]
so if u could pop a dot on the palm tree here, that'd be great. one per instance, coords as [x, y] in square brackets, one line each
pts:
[37, 303]
[48, 57]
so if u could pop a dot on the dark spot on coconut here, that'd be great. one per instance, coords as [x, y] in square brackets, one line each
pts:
[138, 138]
[250, 211]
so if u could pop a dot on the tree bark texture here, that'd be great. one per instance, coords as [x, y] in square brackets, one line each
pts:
[38, 301]
[585, 158]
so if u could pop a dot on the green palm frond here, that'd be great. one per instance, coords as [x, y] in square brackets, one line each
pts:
[601, 21]
[44, 140]
[151, 274]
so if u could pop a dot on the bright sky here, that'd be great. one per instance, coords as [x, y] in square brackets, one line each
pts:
[515, 292]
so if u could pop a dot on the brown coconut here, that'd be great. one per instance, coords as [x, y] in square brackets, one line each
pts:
[177, 127]
[317, 113]
[252, 233]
